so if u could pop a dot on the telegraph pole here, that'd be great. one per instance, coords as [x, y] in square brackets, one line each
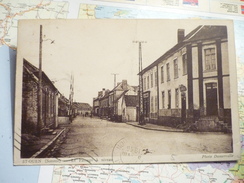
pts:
[115, 74]
[39, 114]
[140, 91]
[39, 95]
[71, 97]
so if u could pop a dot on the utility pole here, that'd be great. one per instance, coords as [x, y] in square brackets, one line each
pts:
[71, 96]
[114, 92]
[39, 100]
[115, 74]
[140, 91]
[39, 92]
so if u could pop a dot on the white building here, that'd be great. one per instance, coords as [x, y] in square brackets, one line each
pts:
[190, 82]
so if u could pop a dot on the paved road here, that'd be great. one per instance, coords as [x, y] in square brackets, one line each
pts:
[95, 137]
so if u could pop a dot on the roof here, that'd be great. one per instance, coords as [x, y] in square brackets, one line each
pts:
[136, 88]
[206, 32]
[34, 70]
[105, 96]
[119, 87]
[82, 106]
[131, 100]
[122, 94]
[203, 32]
[62, 98]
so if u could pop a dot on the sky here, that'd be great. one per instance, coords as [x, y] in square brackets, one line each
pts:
[92, 50]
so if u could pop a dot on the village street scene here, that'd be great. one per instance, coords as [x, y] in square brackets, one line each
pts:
[179, 102]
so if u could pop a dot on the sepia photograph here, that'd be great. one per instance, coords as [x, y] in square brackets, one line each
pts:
[125, 91]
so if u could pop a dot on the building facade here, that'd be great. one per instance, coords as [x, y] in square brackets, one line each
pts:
[190, 82]
[103, 104]
[30, 100]
[116, 96]
[81, 108]
[108, 104]
[63, 106]
[129, 107]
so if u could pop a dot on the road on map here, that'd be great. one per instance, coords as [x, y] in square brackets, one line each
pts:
[97, 137]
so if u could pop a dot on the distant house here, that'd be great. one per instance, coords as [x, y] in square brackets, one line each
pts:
[109, 103]
[115, 98]
[63, 106]
[30, 101]
[96, 106]
[118, 106]
[190, 82]
[129, 107]
[96, 102]
[82, 108]
[103, 104]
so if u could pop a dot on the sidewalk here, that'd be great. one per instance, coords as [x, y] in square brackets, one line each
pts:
[37, 147]
[149, 126]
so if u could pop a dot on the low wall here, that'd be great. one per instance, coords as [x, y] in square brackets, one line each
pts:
[63, 120]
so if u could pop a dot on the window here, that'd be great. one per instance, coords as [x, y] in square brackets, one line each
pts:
[210, 61]
[211, 85]
[169, 99]
[156, 78]
[176, 98]
[162, 74]
[152, 104]
[163, 99]
[147, 82]
[176, 68]
[184, 64]
[168, 72]
[151, 80]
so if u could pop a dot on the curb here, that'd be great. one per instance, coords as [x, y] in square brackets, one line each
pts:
[156, 129]
[38, 153]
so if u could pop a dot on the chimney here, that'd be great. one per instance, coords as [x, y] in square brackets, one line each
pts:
[181, 35]
[103, 91]
[124, 85]
[106, 92]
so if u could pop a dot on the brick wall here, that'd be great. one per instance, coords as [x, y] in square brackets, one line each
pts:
[29, 104]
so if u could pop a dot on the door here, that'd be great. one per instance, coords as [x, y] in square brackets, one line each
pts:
[146, 104]
[183, 107]
[211, 99]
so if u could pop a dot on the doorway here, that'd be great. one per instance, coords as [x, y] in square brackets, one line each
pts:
[211, 99]
[183, 107]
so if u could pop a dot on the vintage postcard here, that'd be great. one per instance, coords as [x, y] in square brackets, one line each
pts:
[125, 91]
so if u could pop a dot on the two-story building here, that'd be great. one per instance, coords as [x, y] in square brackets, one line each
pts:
[109, 103]
[116, 96]
[190, 82]
[104, 104]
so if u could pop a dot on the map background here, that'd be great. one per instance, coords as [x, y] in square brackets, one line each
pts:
[7, 68]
